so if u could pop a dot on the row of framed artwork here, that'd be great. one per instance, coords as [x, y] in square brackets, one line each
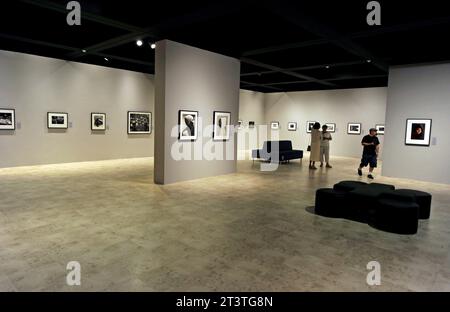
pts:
[352, 128]
[138, 122]
[188, 125]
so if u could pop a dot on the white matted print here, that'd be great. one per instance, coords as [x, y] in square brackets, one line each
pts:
[222, 122]
[275, 125]
[418, 132]
[331, 127]
[292, 126]
[98, 121]
[57, 120]
[380, 129]
[354, 128]
[188, 125]
[309, 126]
[139, 122]
[7, 119]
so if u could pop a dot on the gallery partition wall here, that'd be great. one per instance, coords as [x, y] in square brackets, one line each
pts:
[70, 112]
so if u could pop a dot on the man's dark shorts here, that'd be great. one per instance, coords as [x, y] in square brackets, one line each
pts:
[369, 160]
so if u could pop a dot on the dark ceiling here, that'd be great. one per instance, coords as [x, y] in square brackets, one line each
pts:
[283, 45]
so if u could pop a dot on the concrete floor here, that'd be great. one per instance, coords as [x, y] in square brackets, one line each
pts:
[250, 231]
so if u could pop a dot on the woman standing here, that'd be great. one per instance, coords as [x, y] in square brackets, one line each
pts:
[315, 146]
[325, 139]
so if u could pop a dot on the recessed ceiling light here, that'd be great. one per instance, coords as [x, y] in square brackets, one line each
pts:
[369, 61]
[153, 46]
[327, 67]
[106, 59]
[84, 51]
[139, 43]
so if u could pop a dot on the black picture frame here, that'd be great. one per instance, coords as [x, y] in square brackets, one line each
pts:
[50, 127]
[276, 124]
[309, 125]
[352, 124]
[13, 114]
[292, 123]
[334, 127]
[92, 121]
[139, 132]
[192, 139]
[419, 120]
[380, 132]
[214, 126]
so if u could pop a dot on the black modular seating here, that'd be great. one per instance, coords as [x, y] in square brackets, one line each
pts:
[277, 151]
[380, 205]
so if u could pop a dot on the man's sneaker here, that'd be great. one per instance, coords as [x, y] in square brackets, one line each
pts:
[370, 176]
[360, 172]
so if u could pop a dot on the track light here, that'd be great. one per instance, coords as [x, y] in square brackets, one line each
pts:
[84, 51]
[327, 67]
[139, 43]
[369, 61]
[106, 59]
[153, 46]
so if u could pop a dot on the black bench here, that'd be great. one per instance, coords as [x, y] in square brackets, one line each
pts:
[277, 151]
[379, 205]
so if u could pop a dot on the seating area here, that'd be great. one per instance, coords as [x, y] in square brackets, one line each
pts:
[380, 205]
[277, 151]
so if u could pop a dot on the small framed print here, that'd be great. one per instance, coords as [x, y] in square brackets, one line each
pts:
[292, 126]
[57, 120]
[222, 122]
[139, 122]
[275, 125]
[380, 129]
[309, 126]
[188, 125]
[331, 127]
[418, 132]
[98, 121]
[354, 128]
[251, 124]
[7, 119]
[240, 124]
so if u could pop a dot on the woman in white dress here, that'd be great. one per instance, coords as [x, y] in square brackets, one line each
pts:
[315, 146]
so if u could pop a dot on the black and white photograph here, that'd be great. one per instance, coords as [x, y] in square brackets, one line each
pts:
[331, 127]
[380, 129]
[240, 124]
[354, 128]
[139, 122]
[309, 126]
[98, 121]
[188, 125]
[275, 125]
[292, 126]
[57, 120]
[418, 132]
[251, 124]
[221, 126]
[7, 119]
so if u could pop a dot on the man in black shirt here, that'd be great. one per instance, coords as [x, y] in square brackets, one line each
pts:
[370, 153]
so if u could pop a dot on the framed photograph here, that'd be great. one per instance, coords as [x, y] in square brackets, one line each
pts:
[188, 125]
[251, 124]
[7, 119]
[275, 125]
[292, 126]
[222, 121]
[331, 127]
[380, 129]
[309, 126]
[98, 121]
[354, 128]
[418, 132]
[240, 124]
[139, 122]
[57, 120]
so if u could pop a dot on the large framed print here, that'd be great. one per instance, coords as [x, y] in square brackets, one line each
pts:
[222, 122]
[57, 120]
[98, 121]
[380, 129]
[418, 132]
[331, 127]
[187, 125]
[309, 126]
[7, 119]
[354, 128]
[139, 122]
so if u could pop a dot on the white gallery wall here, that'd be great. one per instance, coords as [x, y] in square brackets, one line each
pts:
[366, 106]
[188, 78]
[34, 85]
[418, 92]
[251, 108]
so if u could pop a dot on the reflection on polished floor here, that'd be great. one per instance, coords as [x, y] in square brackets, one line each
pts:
[249, 231]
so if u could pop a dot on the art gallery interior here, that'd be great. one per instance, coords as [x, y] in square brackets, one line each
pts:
[128, 145]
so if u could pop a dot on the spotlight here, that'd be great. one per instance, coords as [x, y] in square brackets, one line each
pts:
[84, 51]
[369, 61]
[153, 46]
[106, 59]
[327, 67]
[139, 43]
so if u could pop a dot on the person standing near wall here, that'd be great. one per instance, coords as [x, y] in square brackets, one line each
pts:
[370, 152]
[315, 146]
[325, 139]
